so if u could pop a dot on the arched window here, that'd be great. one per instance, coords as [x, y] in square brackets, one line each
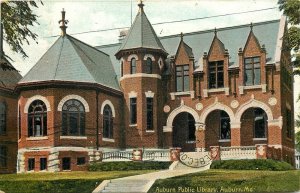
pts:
[107, 122]
[73, 118]
[37, 119]
[148, 65]
[260, 123]
[133, 66]
[224, 125]
[2, 118]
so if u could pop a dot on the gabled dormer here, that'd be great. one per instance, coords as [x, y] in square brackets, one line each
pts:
[184, 67]
[215, 67]
[252, 61]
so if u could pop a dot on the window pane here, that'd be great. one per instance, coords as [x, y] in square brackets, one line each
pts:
[149, 66]
[220, 79]
[248, 77]
[31, 164]
[73, 123]
[256, 76]
[133, 112]
[150, 113]
[43, 163]
[256, 59]
[186, 83]
[133, 66]
[3, 156]
[2, 118]
[82, 124]
[64, 123]
[179, 86]
[80, 160]
[66, 163]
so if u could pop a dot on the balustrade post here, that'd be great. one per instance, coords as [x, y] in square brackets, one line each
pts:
[261, 151]
[175, 154]
[215, 153]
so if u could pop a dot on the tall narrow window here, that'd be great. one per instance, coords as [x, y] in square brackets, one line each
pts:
[252, 71]
[43, 163]
[216, 74]
[224, 125]
[260, 123]
[3, 156]
[182, 78]
[192, 128]
[31, 164]
[149, 66]
[73, 118]
[289, 128]
[37, 119]
[107, 122]
[149, 113]
[133, 111]
[133, 66]
[2, 118]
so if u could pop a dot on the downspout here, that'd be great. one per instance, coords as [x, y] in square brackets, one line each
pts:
[97, 120]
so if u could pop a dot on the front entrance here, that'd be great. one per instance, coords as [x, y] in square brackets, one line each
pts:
[184, 132]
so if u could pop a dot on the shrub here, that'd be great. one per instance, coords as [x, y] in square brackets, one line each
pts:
[255, 164]
[128, 165]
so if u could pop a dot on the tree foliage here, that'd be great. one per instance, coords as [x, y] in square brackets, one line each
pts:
[291, 8]
[16, 18]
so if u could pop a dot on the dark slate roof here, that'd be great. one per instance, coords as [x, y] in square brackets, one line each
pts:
[233, 38]
[69, 59]
[9, 76]
[141, 34]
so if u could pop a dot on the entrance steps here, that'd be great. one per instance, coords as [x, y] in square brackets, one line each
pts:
[124, 186]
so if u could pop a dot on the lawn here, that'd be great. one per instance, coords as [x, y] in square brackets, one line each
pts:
[216, 180]
[61, 182]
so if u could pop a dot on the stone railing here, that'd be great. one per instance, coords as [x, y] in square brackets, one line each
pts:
[246, 152]
[156, 155]
[117, 156]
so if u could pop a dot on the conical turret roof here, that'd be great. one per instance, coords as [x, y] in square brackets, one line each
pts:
[141, 34]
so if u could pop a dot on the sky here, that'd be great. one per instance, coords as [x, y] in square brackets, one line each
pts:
[93, 15]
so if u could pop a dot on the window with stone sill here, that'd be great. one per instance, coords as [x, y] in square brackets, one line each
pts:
[2, 118]
[182, 78]
[252, 71]
[37, 119]
[149, 103]
[73, 118]
[3, 156]
[107, 122]
[216, 74]
[133, 66]
[133, 111]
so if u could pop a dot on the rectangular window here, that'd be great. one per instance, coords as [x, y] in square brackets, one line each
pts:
[133, 111]
[252, 71]
[3, 156]
[66, 163]
[149, 113]
[216, 74]
[31, 164]
[43, 163]
[80, 160]
[289, 128]
[2, 118]
[182, 78]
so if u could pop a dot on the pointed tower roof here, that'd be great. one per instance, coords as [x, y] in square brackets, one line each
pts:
[141, 34]
[69, 59]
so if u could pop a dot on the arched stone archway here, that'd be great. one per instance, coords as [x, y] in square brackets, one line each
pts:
[253, 103]
[175, 112]
[217, 106]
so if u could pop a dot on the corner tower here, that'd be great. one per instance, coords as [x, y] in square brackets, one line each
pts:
[142, 59]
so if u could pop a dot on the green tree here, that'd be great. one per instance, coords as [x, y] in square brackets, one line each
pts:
[16, 19]
[291, 8]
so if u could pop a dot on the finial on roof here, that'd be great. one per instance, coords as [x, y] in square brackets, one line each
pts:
[215, 31]
[141, 5]
[63, 22]
[251, 26]
[181, 36]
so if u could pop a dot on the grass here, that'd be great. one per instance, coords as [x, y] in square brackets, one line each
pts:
[61, 182]
[216, 180]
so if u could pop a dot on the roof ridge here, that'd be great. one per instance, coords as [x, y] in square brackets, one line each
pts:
[61, 48]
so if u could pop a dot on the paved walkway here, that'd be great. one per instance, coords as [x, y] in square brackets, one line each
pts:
[142, 183]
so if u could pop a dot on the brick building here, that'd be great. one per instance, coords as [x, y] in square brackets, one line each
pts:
[224, 88]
